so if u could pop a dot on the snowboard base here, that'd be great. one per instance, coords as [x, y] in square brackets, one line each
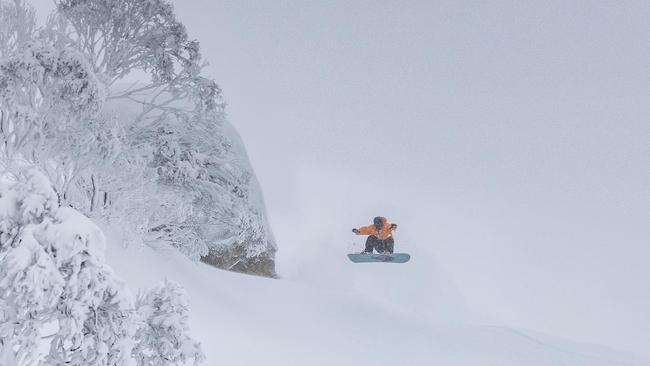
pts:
[380, 258]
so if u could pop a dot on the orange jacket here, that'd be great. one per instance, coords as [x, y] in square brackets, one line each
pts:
[385, 232]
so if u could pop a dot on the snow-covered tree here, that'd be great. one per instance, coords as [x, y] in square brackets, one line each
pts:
[122, 36]
[180, 129]
[49, 100]
[53, 274]
[56, 287]
[28, 278]
[162, 336]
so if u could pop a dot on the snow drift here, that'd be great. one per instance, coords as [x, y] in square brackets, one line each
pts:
[347, 315]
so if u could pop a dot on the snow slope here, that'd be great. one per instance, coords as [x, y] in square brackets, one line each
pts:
[339, 320]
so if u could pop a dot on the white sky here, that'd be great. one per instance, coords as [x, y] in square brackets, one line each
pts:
[510, 138]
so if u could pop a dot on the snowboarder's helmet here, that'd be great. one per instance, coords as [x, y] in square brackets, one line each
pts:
[378, 221]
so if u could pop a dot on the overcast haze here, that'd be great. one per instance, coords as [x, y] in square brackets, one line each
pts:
[509, 139]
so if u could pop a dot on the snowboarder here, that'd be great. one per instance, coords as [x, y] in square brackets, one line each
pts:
[380, 236]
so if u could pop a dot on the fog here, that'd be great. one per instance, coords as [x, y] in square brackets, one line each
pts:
[509, 140]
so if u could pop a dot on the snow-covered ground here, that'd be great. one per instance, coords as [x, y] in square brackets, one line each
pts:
[344, 314]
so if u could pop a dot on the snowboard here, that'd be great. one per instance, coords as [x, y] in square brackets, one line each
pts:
[379, 258]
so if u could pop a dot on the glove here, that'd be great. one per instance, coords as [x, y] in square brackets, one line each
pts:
[393, 226]
[355, 231]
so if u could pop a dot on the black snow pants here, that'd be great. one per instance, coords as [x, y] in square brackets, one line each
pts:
[380, 246]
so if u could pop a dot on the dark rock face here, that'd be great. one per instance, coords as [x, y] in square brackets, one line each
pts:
[235, 259]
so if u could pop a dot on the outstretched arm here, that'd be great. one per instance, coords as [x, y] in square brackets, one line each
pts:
[364, 230]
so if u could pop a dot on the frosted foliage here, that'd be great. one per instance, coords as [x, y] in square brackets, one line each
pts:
[29, 281]
[162, 337]
[156, 41]
[52, 270]
[53, 276]
[17, 26]
[242, 205]
[199, 161]
[56, 80]
[48, 102]
[119, 36]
